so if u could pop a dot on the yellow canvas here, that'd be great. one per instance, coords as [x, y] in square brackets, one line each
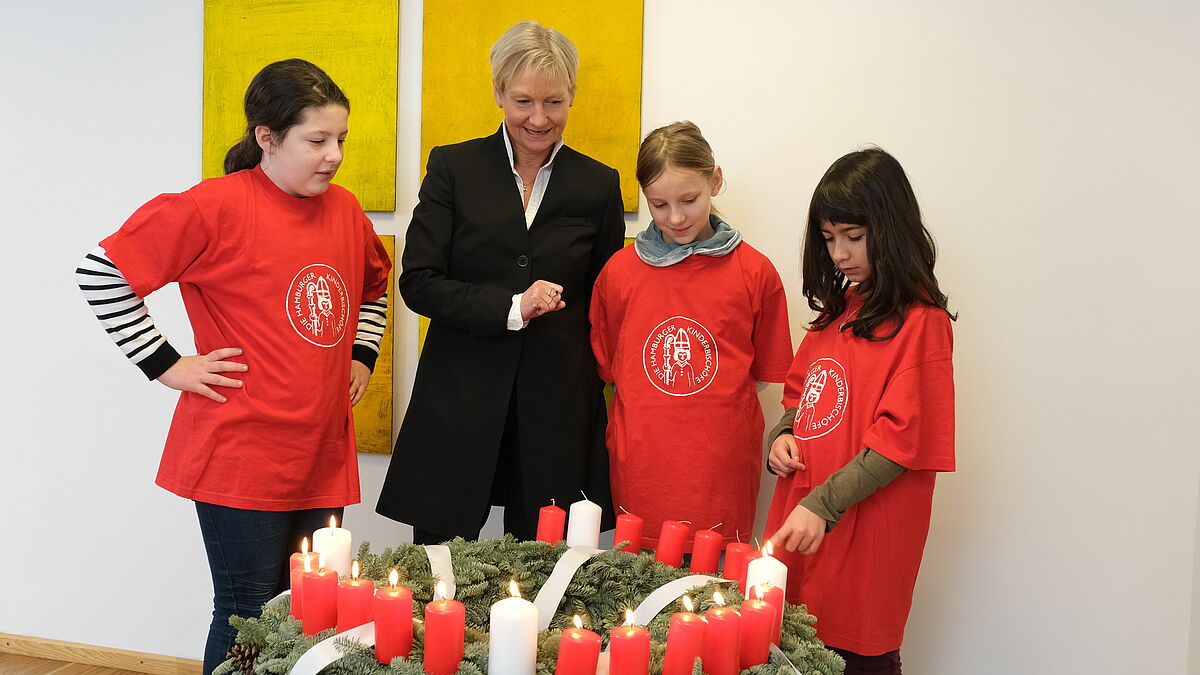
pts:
[373, 414]
[605, 122]
[355, 42]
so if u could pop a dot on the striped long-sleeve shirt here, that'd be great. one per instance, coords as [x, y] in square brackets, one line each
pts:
[127, 321]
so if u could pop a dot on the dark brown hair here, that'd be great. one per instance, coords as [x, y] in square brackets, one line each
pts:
[276, 99]
[870, 188]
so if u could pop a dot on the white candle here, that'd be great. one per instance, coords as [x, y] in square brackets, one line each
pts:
[512, 646]
[334, 543]
[766, 570]
[583, 527]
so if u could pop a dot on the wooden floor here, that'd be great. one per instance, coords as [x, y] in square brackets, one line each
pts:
[15, 664]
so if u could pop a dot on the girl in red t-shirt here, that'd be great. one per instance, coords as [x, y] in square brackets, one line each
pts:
[685, 322]
[285, 282]
[870, 412]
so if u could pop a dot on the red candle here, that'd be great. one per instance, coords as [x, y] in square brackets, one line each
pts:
[445, 622]
[629, 528]
[629, 649]
[685, 640]
[670, 543]
[393, 621]
[551, 521]
[706, 552]
[720, 653]
[296, 573]
[773, 596]
[578, 651]
[758, 619]
[320, 599]
[354, 599]
[737, 558]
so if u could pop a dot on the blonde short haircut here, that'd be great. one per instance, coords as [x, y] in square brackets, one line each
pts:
[530, 46]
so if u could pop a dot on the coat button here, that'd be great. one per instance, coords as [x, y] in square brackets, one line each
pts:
[523, 261]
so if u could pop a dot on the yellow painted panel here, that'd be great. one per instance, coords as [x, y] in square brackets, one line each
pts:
[373, 414]
[605, 122]
[355, 42]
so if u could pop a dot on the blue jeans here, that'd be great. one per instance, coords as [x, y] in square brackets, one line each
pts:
[248, 556]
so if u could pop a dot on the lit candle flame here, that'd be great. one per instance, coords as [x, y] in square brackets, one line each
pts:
[332, 521]
[768, 549]
[307, 562]
[718, 598]
[629, 617]
[578, 622]
[354, 569]
[758, 591]
[440, 590]
[320, 561]
[393, 577]
[304, 547]
[513, 589]
[687, 603]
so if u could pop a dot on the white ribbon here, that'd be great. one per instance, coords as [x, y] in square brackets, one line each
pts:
[439, 564]
[552, 592]
[666, 594]
[776, 650]
[325, 652]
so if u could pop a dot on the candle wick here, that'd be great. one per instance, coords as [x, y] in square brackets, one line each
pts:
[553, 502]
[756, 544]
[622, 508]
[584, 496]
[686, 521]
[717, 525]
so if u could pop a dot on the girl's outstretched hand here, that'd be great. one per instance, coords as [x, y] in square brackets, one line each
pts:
[198, 374]
[784, 457]
[803, 531]
[360, 374]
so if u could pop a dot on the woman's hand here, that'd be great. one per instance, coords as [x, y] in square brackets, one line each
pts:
[784, 457]
[197, 373]
[360, 374]
[543, 296]
[803, 531]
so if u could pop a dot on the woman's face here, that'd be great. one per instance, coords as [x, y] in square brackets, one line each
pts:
[535, 114]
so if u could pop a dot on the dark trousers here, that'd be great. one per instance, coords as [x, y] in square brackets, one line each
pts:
[857, 664]
[248, 555]
[520, 519]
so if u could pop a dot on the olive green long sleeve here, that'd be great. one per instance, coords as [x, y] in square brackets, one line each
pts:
[851, 484]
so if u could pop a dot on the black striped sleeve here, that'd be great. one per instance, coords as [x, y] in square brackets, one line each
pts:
[123, 314]
[372, 319]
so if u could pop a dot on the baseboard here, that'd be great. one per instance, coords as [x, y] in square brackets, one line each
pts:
[108, 657]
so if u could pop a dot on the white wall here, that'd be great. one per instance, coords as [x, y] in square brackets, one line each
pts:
[1051, 145]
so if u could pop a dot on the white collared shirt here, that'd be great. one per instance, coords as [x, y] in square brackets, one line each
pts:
[539, 183]
[515, 322]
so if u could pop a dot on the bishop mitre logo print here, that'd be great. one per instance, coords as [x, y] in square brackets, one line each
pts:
[680, 357]
[823, 404]
[317, 305]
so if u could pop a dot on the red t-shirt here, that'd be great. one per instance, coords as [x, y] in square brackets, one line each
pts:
[282, 278]
[685, 345]
[897, 398]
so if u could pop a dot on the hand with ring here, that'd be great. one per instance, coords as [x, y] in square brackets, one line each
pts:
[542, 297]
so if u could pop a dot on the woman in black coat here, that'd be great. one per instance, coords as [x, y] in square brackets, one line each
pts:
[504, 245]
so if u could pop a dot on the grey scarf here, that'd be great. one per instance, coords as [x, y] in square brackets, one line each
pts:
[656, 251]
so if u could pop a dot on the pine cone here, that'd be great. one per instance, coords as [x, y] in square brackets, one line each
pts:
[244, 655]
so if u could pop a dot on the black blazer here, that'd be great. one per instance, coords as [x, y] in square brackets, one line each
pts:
[467, 252]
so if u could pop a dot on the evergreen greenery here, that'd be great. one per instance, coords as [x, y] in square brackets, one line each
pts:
[600, 592]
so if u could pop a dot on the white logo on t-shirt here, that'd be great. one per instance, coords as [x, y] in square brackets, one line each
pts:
[823, 404]
[680, 357]
[317, 305]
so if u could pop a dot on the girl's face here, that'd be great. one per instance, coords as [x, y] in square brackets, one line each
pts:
[308, 156]
[847, 246]
[535, 114]
[680, 201]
